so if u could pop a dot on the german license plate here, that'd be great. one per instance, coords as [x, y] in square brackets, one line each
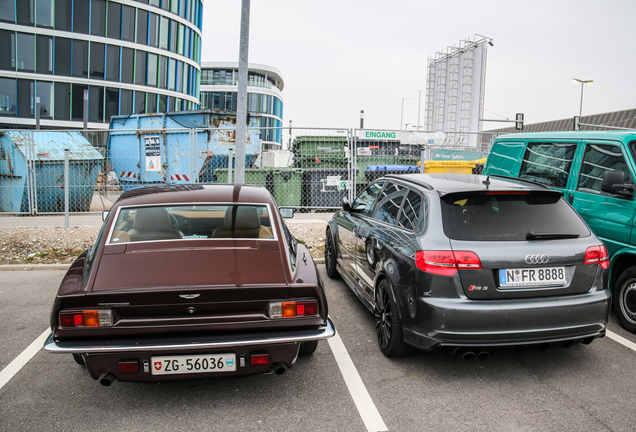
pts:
[537, 276]
[187, 364]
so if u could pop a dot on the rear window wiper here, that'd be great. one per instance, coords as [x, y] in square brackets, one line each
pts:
[549, 236]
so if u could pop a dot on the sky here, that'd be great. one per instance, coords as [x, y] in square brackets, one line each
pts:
[338, 57]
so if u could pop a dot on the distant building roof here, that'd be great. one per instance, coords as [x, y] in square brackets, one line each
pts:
[621, 119]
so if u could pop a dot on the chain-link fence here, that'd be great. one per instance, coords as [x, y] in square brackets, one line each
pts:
[84, 172]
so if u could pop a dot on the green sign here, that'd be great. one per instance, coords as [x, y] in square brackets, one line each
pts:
[456, 155]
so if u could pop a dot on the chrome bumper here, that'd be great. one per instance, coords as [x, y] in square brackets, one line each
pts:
[187, 344]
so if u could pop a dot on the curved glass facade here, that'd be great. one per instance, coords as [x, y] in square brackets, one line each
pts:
[131, 56]
[219, 85]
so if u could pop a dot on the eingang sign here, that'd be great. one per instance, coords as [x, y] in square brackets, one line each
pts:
[378, 135]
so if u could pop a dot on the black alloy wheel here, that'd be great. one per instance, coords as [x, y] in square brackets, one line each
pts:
[330, 256]
[388, 325]
[625, 299]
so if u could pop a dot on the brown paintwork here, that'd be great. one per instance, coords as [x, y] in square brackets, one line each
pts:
[233, 281]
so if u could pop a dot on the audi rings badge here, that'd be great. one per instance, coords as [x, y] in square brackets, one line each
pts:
[537, 259]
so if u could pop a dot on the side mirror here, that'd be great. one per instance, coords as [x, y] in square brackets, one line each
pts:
[105, 215]
[346, 205]
[286, 212]
[614, 182]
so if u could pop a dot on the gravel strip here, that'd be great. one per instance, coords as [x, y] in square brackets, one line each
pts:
[55, 245]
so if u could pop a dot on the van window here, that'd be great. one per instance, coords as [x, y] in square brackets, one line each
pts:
[599, 158]
[548, 163]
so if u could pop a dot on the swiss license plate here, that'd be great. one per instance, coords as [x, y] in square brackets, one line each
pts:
[536, 276]
[187, 364]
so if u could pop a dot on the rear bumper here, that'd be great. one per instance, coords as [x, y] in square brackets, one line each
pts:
[103, 358]
[483, 323]
[188, 344]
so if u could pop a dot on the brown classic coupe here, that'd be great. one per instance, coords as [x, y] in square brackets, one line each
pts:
[188, 281]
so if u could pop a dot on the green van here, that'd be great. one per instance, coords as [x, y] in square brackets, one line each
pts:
[595, 170]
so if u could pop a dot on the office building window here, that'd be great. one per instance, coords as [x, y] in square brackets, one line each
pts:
[112, 103]
[98, 17]
[128, 23]
[80, 58]
[8, 97]
[114, 20]
[140, 102]
[26, 52]
[81, 16]
[142, 26]
[25, 13]
[62, 104]
[97, 60]
[8, 10]
[7, 40]
[44, 54]
[43, 13]
[152, 69]
[96, 104]
[62, 56]
[163, 71]
[77, 101]
[152, 103]
[140, 67]
[63, 14]
[125, 102]
[127, 65]
[153, 30]
[112, 63]
[44, 90]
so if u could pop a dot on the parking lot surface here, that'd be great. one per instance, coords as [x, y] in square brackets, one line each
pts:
[591, 388]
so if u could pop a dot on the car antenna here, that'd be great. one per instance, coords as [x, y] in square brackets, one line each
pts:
[487, 182]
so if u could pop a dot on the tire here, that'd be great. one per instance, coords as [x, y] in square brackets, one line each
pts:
[388, 326]
[624, 299]
[78, 359]
[330, 256]
[308, 347]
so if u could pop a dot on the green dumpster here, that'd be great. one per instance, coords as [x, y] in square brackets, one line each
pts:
[288, 186]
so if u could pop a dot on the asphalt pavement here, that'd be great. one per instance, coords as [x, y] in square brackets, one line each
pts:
[582, 388]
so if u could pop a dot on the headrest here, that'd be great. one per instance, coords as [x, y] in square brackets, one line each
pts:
[241, 218]
[152, 219]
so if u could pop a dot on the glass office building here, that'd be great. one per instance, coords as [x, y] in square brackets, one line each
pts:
[219, 90]
[131, 56]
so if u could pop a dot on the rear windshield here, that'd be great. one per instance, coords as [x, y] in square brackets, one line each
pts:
[505, 217]
[191, 222]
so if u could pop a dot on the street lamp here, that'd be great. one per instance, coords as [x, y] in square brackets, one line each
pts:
[361, 119]
[402, 114]
[419, 103]
[583, 82]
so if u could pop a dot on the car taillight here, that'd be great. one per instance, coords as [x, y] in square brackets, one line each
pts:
[446, 263]
[597, 255]
[86, 318]
[293, 309]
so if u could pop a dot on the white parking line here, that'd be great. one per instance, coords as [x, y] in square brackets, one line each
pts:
[621, 340]
[369, 413]
[18, 363]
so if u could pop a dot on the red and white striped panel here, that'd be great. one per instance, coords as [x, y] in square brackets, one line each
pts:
[179, 177]
[127, 174]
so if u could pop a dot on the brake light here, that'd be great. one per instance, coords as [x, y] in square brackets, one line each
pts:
[293, 309]
[446, 263]
[86, 318]
[597, 255]
[259, 359]
[128, 367]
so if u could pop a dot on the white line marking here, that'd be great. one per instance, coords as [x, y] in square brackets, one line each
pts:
[362, 399]
[18, 363]
[621, 340]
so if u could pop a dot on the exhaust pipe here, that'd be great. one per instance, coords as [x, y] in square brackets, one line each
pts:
[483, 355]
[279, 368]
[468, 355]
[107, 379]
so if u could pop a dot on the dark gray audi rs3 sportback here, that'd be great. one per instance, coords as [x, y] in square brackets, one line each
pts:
[471, 262]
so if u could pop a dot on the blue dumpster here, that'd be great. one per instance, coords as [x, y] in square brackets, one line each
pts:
[34, 161]
[176, 147]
